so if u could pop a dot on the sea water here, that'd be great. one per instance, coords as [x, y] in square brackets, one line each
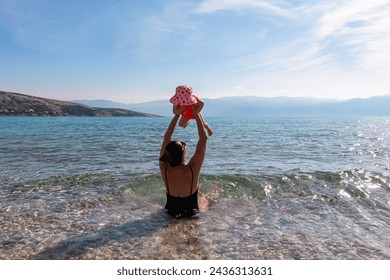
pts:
[276, 188]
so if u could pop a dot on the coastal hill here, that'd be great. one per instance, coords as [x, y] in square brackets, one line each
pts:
[254, 106]
[17, 104]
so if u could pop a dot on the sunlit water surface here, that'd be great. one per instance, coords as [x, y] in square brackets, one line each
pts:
[276, 188]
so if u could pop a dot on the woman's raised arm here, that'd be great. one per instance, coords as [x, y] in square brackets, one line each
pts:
[168, 133]
[200, 152]
[177, 110]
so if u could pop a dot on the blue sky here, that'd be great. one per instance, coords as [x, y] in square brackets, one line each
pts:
[136, 50]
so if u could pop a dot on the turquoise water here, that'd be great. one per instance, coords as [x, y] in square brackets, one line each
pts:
[275, 188]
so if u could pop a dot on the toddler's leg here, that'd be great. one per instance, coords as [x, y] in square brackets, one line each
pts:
[183, 122]
[206, 125]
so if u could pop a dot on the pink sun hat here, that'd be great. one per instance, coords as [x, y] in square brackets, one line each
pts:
[184, 96]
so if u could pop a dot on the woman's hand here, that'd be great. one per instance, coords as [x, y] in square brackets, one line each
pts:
[177, 110]
[196, 108]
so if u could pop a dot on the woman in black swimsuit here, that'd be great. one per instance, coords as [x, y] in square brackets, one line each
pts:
[180, 178]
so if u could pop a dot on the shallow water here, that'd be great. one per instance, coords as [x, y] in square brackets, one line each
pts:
[88, 188]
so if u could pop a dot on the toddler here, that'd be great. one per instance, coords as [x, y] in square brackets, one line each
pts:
[185, 97]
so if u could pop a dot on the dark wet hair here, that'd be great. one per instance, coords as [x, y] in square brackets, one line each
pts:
[173, 153]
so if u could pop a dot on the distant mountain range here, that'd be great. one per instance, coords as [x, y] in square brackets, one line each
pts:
[252, 106]
[17, 104]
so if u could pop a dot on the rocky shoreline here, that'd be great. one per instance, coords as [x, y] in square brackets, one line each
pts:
[17, 104]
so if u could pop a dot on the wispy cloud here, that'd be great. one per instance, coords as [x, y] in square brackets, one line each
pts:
[296, 57]
[170, 31]
[275, 7]
[361, 26]
[354, 30]
[167, 25]
[351, 15]
[332, 46]
[37, 26]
